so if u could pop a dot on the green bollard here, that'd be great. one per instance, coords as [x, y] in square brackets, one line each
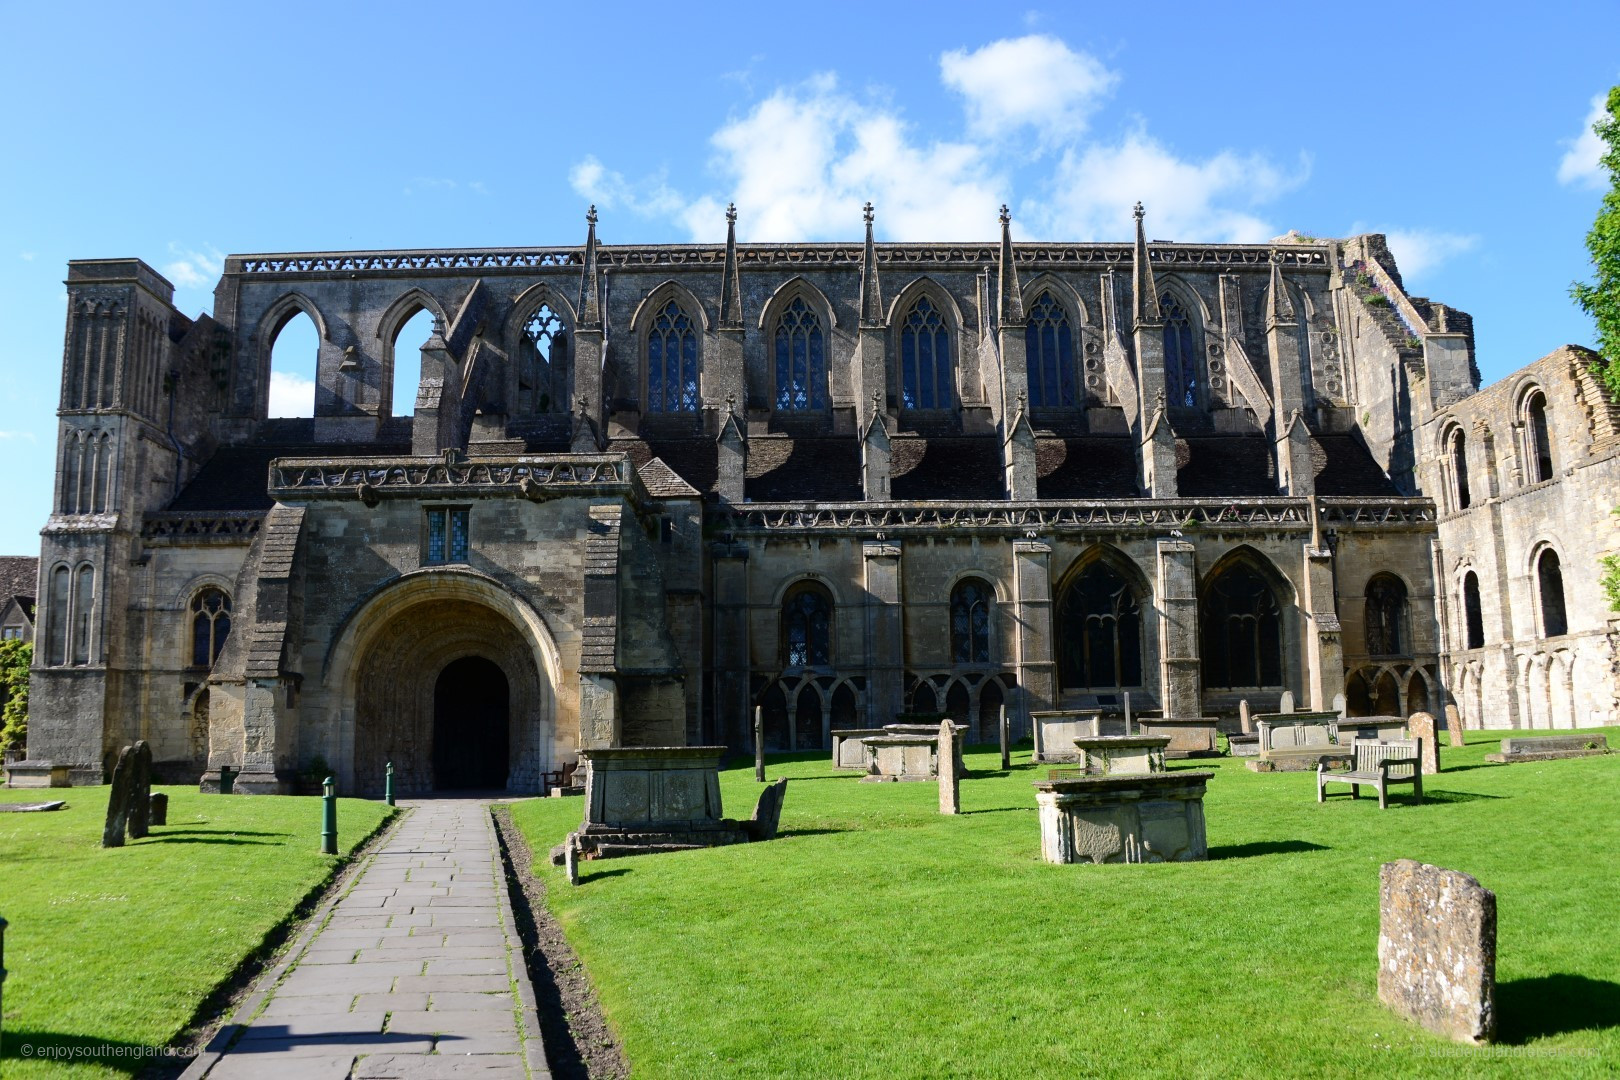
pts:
[329, 818]
[388, 785]
[227, 780]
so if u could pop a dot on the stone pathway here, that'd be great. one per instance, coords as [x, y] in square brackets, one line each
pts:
[416, 971]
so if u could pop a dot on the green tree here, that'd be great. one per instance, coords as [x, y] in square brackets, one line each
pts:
[15, 658]
[1600, 298]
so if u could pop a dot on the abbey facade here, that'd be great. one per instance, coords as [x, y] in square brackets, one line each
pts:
[647, 489]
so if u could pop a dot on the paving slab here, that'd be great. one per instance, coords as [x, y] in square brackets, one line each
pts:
[415, 972]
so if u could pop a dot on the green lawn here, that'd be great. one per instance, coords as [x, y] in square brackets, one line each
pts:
[111, 949]
[877, 938]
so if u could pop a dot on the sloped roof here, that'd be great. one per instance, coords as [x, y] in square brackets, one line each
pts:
[663, 482]
[19, 574]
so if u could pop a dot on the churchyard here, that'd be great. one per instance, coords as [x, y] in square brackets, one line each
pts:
[114, 949]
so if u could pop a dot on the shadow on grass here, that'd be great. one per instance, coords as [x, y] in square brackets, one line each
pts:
[1471, 768]
[1002, 810]
[1264, 847]
[126, 1057]
[1440, 795]
[1529, 1009]
[600, 874]
[167, 831]
[782, 834]
[222, 838]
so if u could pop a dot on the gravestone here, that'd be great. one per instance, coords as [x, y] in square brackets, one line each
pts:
[571, 861]
[1338, 705]
[1454, 726]
[160, 808]
[140, 792]
[1006, 753]
[950, 783]
[112, 832]
[768, 811]
[1245, 721]
[759, 744]
[1421, 727]
[1286, 703]
[1437, 950]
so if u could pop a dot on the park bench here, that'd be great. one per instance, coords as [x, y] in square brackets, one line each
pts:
[1378, 764]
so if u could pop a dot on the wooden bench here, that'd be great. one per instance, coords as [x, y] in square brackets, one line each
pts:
[1378, 764]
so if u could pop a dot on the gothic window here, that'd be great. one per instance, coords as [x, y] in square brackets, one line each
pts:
[1550, 583]
[807, 628]
[1099, 631]
[1049, 354]
[1386, 616]
[1459, 469]
[1242, 631]
[543, 364]
[925, 359]
[446, 536]
[210, 625]
[970, 622]
[102, 450]
[1473, 616]
[58, 618]
[672, 362]
[1180, 362]
[84, 595]
[72, 471]
[1538, 439]
[801, 363]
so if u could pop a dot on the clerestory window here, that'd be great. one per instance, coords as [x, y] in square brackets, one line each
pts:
[447, 540]
[672, 362]
[925, 359]
[1049, 354]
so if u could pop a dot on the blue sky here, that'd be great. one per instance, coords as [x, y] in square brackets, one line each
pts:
[178, 133]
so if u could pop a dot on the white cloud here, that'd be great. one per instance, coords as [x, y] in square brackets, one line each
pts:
[1582, 163]
[1036, 81]
[1419, 251]
[610, 190]
[26, 256]
[1091, 194]
[291, 395]
[24, 436]
[194, 269]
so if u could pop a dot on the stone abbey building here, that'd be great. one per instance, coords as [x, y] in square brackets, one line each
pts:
[647, 488]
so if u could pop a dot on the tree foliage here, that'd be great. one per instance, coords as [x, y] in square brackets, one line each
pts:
[1600, 298]
[15, 658]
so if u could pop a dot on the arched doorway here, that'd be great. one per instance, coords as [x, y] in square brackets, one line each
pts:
[471, 725]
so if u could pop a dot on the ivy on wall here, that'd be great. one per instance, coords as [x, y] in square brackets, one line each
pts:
[15, 658]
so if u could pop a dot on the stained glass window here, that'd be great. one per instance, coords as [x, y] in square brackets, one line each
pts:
[210, 625]
[925, 359]
[1181, 365]
[1049, 354]
[970, 623]
[801, 368]
[807, 628]
[672, 362]
[447, 540]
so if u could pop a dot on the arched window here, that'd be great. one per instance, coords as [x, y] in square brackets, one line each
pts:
[542, 366]
[970, 622]
[801, 362]
[58, 615]
[1537, 437]
[1242, 631]
[84, 596]
[1049, 354]
[1180, 362]
[925, 358]
[1385, 622]
[1550, 582]
[210, 624]
[102, 483]
[72, 471]
[1099, 631]
[807, 628]
[1459, 469]
[406, 356]
[1473, 615]
[294, 360]
[672, 362]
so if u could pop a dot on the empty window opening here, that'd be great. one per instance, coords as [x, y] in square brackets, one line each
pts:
[293, 365]
[407, 354]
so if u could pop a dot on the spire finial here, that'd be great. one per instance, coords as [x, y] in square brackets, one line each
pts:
[877, 401]
[1137, 210]
[590, 215]
[730, 286]
[1006, 216]
[731, 213]
[1010, 299]
[866, 211]
[1023, 400]
[1145, 293]
[731, 403]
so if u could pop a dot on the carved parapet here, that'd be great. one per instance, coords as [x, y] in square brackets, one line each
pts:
[199, 527]
[533, 477]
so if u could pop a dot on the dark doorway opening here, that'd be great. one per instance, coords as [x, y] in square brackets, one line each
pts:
[470, 726]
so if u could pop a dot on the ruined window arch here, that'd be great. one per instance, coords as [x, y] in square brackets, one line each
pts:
[1537, 437]
[799, 348]
[1550, 590]
[1473, 614]
[672, 361]
[807, 615]
[925, 358]
[1385, 619]
[210, 625]
[1099, 630]
[971, 607]
[405, 360]
[543, 363]
[294, 366]
[1241, 624]
[1457, 450]
[1049, 354]
[1183, 382]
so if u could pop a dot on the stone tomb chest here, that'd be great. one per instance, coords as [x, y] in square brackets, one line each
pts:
[848, 752]
[652, 798]
[1154, 817]
[1372, 728]
[1056, 731]
[1194, 737]
[901, 757]
[1108, 755]
[1296, 742]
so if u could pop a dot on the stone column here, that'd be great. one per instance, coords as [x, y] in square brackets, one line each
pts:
[1032, 616]
[1177, 602]
[1324, 649]
[730, 643]
[885, 630]
[950, 780]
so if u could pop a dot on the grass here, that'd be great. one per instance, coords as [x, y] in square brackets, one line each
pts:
[877, 938]
[111, 951]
